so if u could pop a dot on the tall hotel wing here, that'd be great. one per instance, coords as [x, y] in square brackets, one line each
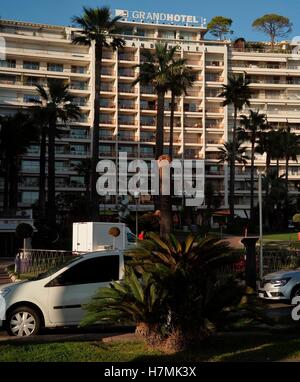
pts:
[35, 53]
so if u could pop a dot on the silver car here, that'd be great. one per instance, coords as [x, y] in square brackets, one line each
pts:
[283, 285]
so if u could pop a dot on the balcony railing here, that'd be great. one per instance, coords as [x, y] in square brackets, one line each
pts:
[126, 105]
[126, 73]
[127, 122]
[126, 57]
[107, 88]
[126, 89]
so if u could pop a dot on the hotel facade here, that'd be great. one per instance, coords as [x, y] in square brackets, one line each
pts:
[36, 53]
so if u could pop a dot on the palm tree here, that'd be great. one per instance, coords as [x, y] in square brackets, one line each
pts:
[136, 300]
[230, 155]
[181, 78]
[40, 116]
[236, 93]
[186, 272]
[290, 150]
[227, 152]
[97, 29]
[252, 125]
[17, 133]
[58, 106]
[156, 70]
[84, 169]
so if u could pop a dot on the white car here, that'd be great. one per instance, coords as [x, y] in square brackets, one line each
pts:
[55, 298]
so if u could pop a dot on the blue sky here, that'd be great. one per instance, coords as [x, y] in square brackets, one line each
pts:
[243, 12]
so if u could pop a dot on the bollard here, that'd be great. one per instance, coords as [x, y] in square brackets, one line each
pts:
[250, 247]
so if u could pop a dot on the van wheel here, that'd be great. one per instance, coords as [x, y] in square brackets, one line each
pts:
[23, 322]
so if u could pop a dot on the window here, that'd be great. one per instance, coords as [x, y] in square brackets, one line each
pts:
[8, 63]
[78, 69]
[55, 67]
[98, 270]
[30, 97]
[29, 197]
[31, 166]
[31, 65]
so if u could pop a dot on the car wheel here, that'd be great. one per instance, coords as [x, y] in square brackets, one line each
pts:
[23, 322]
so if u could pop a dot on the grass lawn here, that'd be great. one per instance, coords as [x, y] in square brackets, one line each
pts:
[223, 348]
[282, 237]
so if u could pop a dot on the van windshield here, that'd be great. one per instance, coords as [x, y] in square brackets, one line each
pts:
[56, 269]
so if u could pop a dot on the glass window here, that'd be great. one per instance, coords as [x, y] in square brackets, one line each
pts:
[55, 67]
[98, 270]
[78, 69]
[31, 65]
[8, 63]
[29, 197]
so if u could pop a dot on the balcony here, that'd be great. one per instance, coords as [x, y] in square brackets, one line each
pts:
[123, 104]
[214, 110]
[148, 121]
[126, 88]
[107, 71]
[127, 121]
[124, 136]
[105, 87]
[107, 153]
[126, 72]
[107, 55]
[106, 104]
[214, 79]
[147, 90]
[147, 154]
[214, 63]
[78, 70]
[107, 121]
[107, 136]
[126, 57]
[79, 86]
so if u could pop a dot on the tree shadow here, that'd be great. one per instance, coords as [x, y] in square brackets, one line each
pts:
[235, 347]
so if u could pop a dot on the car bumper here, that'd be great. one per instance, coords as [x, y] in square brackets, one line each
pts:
[272, 294]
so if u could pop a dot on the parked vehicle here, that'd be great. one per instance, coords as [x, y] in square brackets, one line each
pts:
[56, 298]
[91, 236]
[283, 285]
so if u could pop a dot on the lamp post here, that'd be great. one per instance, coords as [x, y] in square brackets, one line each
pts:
[260, 204]
[136, 197]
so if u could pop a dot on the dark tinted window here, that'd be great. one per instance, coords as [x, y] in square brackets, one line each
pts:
[98, 270]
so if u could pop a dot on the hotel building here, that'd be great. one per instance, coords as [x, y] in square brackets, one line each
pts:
[36, 53]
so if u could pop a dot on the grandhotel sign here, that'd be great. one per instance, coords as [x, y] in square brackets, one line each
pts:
[158, 17]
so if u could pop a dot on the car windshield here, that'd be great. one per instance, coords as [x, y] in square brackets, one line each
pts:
[55, 269]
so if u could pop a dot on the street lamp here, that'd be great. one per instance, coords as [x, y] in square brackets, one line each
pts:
[136, 197]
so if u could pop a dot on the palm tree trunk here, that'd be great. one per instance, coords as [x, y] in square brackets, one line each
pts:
[159, 140]
[252, 182]
[51, 208]
[166, 222]
[232, 168]
[42, 179]
[172, 126]
[287, 160]
[94, 199]
[164, 203]
[160, 124]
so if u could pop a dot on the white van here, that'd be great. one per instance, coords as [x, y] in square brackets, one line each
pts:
[55, 298]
